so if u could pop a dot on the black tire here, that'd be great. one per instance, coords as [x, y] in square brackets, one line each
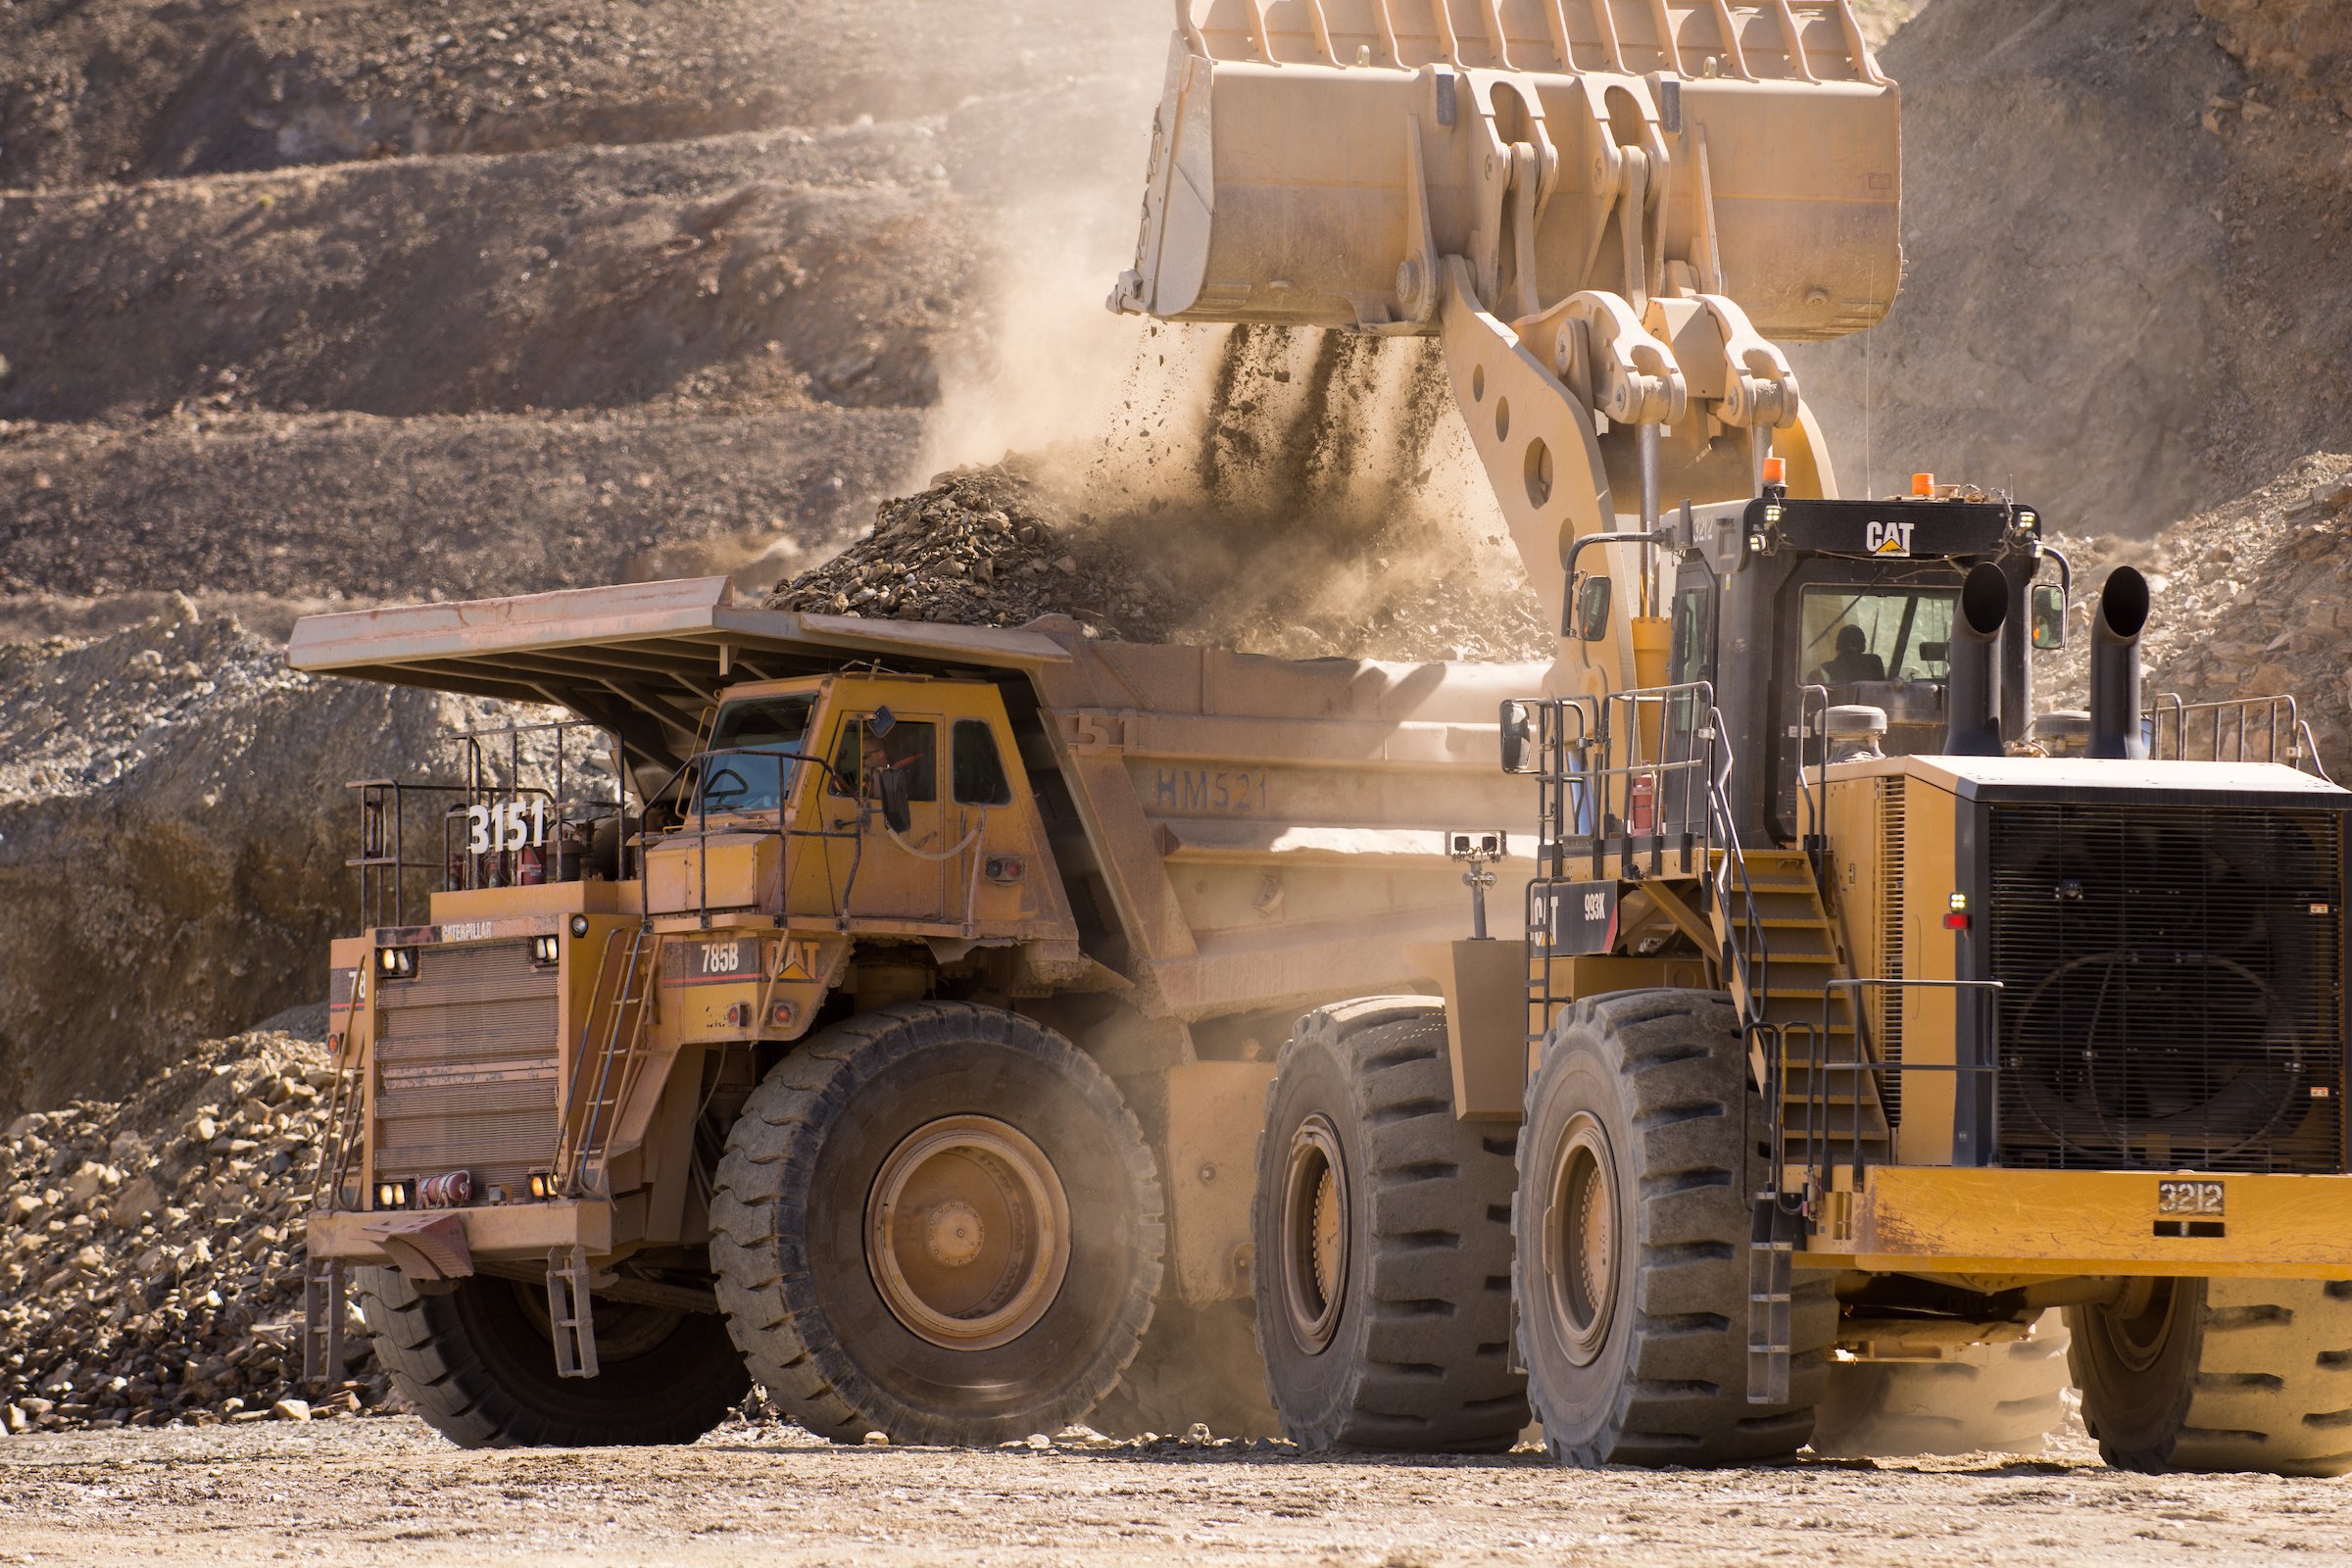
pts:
[1408, 1352]
[805, 1186]
[1996, 1398]
[1636, 1344]
[478, 1365]
[2197, 1375]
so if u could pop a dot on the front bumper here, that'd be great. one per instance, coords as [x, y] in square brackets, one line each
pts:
[508, 1231]
[1946, 1220]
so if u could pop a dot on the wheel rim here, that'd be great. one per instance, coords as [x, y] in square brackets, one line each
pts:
[1314, 1234]
[2139, 1325]
[1581, 1241]
[967, 1233]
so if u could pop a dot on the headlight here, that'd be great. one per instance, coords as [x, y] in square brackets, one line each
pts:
[580, 925]
[397, 963]
[544, 950]
[392, 1195]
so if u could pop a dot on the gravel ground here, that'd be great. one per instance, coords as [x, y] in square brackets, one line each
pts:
[377, 1490]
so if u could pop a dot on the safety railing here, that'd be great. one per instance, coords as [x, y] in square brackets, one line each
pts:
[2245, 729]
[698, 773]
[1632, 785]
[1817, 1139]
[481, 830]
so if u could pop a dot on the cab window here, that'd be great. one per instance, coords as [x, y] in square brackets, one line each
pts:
[755, 782]
[912, 745]
[1875, 634]
[979, 772]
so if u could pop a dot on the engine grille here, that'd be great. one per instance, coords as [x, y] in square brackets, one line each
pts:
[466, 1067]
[2174, 983]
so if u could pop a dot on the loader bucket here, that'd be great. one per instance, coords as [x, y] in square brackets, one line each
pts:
[1294, 138]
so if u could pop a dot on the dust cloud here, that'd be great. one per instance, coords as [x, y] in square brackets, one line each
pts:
[1302, 492]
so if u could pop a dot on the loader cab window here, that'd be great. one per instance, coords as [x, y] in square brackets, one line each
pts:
[911, 747]
[1851, 635]
[756, 783]
[1693, 622]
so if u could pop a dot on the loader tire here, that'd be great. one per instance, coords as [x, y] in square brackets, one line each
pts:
[2203, 1375]
[937, 1221]
[1633, 1216]
[1996, 1398]
[479, 1366]
[1382, 1244]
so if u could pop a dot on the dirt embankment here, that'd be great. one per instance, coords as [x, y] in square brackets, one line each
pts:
[115, 90]
[520, 296]
[2251, 600]
[173, 826]
[2122, 297]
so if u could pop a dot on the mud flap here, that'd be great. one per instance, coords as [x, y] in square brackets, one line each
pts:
[322, 1307]
[1771, 1253]
[570, 1313]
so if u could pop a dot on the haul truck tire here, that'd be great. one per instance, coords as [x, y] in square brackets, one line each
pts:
[1632, 1217]
[1997, 1398]
[478, 1365]
[2219, 1375]
[1383, 1242]
[937, 1221]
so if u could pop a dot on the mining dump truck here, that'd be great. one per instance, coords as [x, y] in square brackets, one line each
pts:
[880, 1011]
[1866, 1018]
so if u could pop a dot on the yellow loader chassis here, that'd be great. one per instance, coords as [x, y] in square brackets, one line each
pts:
[1918, 1219]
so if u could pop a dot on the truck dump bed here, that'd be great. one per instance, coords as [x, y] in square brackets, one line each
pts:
[1238, 833]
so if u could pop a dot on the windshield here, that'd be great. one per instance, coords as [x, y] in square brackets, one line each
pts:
[1858, 634]
[755, 783]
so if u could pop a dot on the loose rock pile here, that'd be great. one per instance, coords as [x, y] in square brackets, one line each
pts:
[2250, 600]
[151, 1251]
[1000, 546]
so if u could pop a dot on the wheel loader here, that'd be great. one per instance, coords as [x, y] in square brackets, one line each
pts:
[1874, 1038]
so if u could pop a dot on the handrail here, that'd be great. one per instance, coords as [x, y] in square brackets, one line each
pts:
[1587, 798]
[1815, 810]
[1817, 1132]
[2275, 713]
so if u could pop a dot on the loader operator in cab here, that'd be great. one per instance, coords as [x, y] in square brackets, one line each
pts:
[1853, 659]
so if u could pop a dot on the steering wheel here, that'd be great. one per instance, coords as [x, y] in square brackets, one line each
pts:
[712, 791]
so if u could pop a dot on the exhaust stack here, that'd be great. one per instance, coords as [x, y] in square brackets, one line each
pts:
[2115, 726]
[1971, 698]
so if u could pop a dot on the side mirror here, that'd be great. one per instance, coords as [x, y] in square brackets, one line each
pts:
[2049, 617]
[1518, 740]
[1592, 609]
[880, 723]
[890, 783]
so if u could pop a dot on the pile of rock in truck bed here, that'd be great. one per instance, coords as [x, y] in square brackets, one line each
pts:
[151, 1251]
[1002, 545]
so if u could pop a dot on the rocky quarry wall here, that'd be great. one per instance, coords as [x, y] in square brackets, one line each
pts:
[173, 826]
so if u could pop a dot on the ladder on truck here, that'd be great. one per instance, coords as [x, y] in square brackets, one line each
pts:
[609, 1060]
[605, 1073]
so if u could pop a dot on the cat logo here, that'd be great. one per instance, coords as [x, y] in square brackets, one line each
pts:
[1888, 538]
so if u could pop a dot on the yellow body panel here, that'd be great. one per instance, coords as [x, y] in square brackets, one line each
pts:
[1909, 1219]
[734, 871]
